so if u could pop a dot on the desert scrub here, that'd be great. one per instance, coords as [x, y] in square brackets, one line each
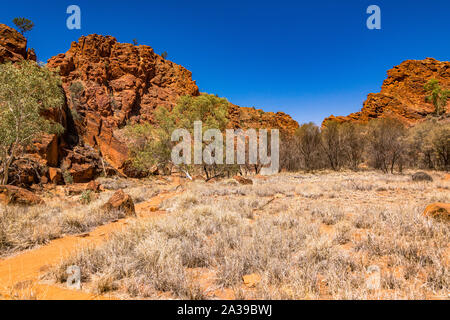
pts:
[230, 231]
[25, 227]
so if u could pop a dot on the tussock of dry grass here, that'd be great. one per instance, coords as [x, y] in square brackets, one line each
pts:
[275, 228]
[25, 227]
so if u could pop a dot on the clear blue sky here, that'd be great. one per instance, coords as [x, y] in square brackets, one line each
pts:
[307, 58]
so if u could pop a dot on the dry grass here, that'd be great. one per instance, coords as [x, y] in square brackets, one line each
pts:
[308, 237]
[26, 227]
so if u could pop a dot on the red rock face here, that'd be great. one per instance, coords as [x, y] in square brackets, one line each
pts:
[110, 84]
[117, 83]
[13, 46]
[402, 95]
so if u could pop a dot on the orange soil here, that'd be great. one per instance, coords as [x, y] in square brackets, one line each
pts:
[20, 274]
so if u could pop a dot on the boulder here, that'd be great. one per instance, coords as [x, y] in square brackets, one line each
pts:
[55, 175]
[421, 176]
[243, 180]
[122, 202]
[251, 280]
[438, 210]
[15, 195]
[93, 186]
[82, 173]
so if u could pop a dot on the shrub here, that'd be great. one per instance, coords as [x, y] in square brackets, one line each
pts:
[26, 92]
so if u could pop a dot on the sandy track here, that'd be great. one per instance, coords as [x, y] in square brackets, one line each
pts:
[20, 274]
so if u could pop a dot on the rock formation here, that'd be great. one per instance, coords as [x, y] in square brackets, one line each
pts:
[109, 84]
[13, 46]
[402, 95]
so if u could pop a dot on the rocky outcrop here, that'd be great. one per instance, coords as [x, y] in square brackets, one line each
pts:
[13, 46]
[244, 118]
[402, 95]
[109, 84]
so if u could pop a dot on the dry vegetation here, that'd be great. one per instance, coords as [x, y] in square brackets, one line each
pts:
[26, 227]
[305, 237]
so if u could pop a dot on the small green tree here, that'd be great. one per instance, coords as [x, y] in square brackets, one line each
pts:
[152, 145]
[26, 91]
[164, 55]
[23, 24]
[135, 42]
[437, 96]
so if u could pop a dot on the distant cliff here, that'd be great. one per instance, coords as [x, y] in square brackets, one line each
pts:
[402, 95]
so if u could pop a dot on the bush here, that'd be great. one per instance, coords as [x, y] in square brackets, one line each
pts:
[26, 92]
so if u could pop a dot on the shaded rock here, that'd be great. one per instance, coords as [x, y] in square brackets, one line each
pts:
[438, 210]
[122, 202]
[82, 173]
[421, 176]
[15, 195]
[27, 170]
[243, 180]
[48, 149]
[55, 176]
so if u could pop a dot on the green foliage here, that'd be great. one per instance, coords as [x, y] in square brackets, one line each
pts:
[68, 179]
[86, 197]
[152, 145]
[135, 42]
[164, 55]
[26, 92]
[23, 24]
[76, 92]
[437, 96]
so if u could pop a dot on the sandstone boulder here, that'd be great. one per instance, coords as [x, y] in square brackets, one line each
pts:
[15, 195]
[122, 202]
[93, 186]
[251, 280]
[242, 180]
[55, 175]
[438, 210]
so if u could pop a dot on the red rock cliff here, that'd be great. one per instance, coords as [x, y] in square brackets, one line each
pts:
[402, 95]
[109, 84]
